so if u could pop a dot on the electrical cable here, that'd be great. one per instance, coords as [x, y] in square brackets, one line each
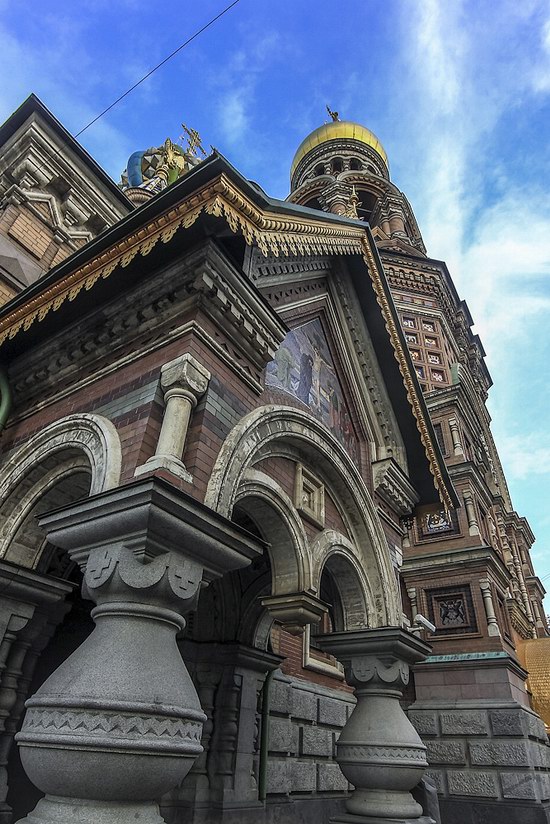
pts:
[166, 59]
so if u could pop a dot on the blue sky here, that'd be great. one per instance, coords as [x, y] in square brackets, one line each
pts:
[458, 92]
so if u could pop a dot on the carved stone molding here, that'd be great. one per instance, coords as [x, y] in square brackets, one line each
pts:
[261, 430]
[92, 434]
[295, 610]
[393, 486]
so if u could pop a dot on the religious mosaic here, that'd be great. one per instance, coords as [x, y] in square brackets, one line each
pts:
[304, 367]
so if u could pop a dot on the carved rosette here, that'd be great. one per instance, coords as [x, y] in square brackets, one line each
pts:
[379, 751]
[119, 723]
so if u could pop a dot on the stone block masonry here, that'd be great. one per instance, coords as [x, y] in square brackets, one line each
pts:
[305, 722]
[483, 753]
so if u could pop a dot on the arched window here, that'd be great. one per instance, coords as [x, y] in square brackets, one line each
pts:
[354, 164]
[337, 165]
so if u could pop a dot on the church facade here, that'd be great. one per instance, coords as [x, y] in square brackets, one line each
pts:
[258, 557]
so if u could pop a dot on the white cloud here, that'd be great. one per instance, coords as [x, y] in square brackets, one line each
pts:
[541, 71]
[234, 119]
[490, 223]
[525, 455]
[499, 254]
[237, 101]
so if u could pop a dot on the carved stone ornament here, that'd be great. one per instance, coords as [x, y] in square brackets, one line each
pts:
[119, 723]
[379, 751]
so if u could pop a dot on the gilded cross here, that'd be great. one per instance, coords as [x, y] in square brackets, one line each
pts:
[193, 140]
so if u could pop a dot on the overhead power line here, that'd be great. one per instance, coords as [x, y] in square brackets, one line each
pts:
[166, 59]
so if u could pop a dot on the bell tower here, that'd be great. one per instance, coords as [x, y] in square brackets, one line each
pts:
[342, 167]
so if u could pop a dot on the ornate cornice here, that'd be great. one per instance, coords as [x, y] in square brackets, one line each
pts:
[391, 483]
[277, 234]
[406, 373]
[273, 233]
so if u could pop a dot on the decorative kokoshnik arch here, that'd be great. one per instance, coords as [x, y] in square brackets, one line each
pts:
[303, 437]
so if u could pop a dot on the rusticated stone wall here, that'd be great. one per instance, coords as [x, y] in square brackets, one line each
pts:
[490, 752]
[305, 722]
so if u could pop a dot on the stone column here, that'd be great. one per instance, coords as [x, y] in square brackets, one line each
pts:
[119, 722]
[492, 623]
[411, 592]
[521, 581]
[473, 526]
[183, 381]
[379, 751]
[455, 436]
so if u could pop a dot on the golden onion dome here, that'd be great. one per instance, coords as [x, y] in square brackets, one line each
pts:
[336, 130]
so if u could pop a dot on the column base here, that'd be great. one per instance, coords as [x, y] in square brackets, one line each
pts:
[50, 810]
[349, 818]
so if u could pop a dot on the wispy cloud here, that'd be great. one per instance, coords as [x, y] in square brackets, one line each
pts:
[69, 95]
[237, 104]
[525, 455]
[499, 252]
[541, 71]
[489, 221]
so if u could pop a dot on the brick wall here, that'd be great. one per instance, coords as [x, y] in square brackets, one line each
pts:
[6, 292]
[31, 233]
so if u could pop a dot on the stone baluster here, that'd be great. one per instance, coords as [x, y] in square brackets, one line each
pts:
[458, 449]
[183, 381]
[119, 723]
[537, 613]
[492, 623]
[224, 776]
[379, 751]
[473, 526]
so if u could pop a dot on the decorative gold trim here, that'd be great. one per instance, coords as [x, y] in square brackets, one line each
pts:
[406, 374]
[273, 234]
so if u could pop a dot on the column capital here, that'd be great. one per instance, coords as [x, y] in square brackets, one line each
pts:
[376, 656]
[185, 372]
[149, 518]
